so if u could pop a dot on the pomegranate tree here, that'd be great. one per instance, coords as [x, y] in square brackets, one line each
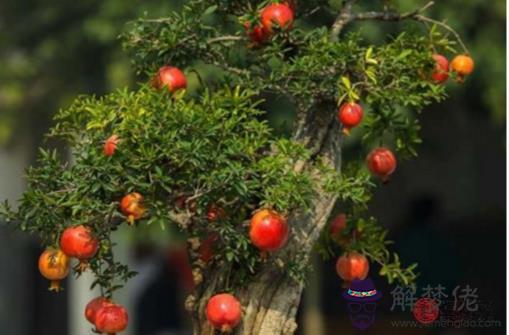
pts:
[252, 202]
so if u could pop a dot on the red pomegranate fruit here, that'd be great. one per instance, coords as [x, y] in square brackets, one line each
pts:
[257, 34]
[206, 250]
[111, 319]
[336, 229]
[215, 213]
[338, 225]
[93, 306]
[182, 203]
[350, 115]
[171, 78]
[78, 242]
[132, 206]
[224, 312]
[110, 145]
[441, 72]
[268, 230]
[382, 162]
[280, 14]
[352, 266]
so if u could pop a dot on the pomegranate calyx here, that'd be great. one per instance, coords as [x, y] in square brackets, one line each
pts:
[55, 286]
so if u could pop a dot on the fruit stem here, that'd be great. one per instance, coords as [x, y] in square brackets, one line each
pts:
[226, 329]
[346, 131]
[460, 79]
[83, 266]
[55, 286]
[264, 255]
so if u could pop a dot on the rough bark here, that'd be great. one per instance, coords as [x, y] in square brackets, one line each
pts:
[271, 300]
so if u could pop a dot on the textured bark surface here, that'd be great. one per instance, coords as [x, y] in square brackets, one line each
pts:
[271, 300]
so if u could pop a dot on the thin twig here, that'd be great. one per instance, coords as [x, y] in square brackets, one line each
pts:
[390, 15]
[234, 70]
[311, 12]
[227, 38]
[159, 20]
[347, 17]
[425, 19]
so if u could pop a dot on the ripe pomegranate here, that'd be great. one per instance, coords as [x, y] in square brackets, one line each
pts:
[441, 72]
[206, 250]
[256, 34]
[93, 306]
[110, 145]
[338, 225]
[463, 65]
[79, 243]
[182, 203]
[382, 162]
[54, 265]
[268, 230]
[350, 115]
[171, 78]
[132, 206]
[352, 266]
[224, 312]
[280, 14]
[337, 228]
[215, 213]
[111, 319]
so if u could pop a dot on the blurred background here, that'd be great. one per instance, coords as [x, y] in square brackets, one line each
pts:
[446, 209]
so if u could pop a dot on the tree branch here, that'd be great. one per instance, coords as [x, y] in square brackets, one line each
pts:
[227, 38]
[425, 19]
[344, 17]
[391, 16]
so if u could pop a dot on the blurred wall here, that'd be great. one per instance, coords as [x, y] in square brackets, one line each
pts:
[15, 285]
